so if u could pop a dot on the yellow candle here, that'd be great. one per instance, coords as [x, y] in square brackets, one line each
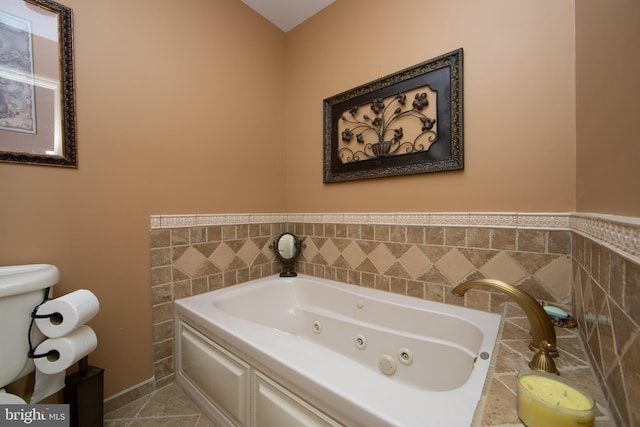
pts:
[546, 400]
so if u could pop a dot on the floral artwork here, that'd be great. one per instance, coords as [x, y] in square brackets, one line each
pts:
[408, 122]
[17, 99]
[385, 132]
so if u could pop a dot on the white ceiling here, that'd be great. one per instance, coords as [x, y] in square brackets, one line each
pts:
[286, 14]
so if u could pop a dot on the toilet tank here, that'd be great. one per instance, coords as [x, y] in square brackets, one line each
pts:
[22, 288]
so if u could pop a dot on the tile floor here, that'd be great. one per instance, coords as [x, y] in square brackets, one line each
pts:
[167, 407]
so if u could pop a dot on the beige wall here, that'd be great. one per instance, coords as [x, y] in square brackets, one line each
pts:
[607, 86]
[178, 111]
[519, 101]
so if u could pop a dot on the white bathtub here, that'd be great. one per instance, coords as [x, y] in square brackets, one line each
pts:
[350, 355]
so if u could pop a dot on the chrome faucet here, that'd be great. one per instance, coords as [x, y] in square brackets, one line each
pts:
[543, 335]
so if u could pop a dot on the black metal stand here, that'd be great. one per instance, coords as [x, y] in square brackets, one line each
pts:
[288, 269]
[84, 393]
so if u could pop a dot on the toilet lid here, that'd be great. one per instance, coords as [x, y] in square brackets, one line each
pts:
[10, 399]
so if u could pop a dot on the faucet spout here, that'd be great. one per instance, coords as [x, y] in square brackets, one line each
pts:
[539, 322]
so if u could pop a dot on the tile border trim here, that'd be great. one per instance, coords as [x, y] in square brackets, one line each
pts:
[447, 219]
[618, 233]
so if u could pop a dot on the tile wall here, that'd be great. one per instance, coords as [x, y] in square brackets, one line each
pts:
[189, 259]
[606, 297]
[192, 260]
[421, 255]
[428, 261]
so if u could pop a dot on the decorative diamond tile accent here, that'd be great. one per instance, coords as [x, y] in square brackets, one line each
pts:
[415, 262]
[382, 258]
[353, 255]
[310, 250]
[329, 252]
[455, 266]
[248, 252]
[190, 261]
[554, 278]
[222, 256]
[268, 252]
[503, 267]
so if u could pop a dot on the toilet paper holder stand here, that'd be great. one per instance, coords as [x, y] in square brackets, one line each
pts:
[84, 389]
[83, 392]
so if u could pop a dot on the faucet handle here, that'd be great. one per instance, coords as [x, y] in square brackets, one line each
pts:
[542, 361]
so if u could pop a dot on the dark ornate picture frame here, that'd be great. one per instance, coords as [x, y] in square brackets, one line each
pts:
[47, 33]
[405, 123]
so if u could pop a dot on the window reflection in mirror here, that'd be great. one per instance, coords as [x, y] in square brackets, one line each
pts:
[287, 246]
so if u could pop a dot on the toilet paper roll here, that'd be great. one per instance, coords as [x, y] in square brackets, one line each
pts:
[69, 311]
[68, 350]
[46, 385]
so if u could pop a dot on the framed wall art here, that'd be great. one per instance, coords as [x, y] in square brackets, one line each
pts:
[37, 104]
[405, 123]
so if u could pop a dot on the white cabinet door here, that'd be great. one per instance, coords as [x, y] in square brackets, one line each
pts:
[218, 374]
[275, 406]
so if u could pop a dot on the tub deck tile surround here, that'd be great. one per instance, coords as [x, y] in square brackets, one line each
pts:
[498, 404]
[422, 255]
